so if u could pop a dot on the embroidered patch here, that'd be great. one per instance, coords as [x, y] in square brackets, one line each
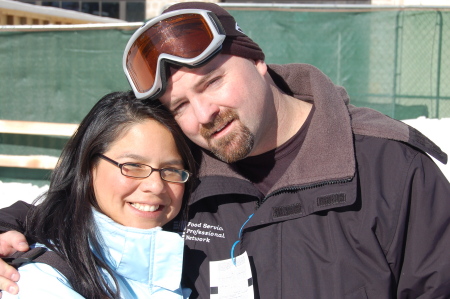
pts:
[331, 199]
[287, 210]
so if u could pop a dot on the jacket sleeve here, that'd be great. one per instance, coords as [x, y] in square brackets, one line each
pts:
[13, 217]
[422, 240]
[39, 280]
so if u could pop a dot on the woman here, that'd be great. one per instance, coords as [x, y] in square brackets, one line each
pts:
[120, 178]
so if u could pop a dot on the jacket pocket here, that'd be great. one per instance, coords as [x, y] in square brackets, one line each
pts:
[358, 294]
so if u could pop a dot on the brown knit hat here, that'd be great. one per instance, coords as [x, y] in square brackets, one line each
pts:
[236, 42]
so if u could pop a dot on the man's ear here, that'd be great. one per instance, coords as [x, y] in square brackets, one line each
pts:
[261, 66]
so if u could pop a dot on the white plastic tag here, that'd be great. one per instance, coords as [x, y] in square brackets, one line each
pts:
[230, 281]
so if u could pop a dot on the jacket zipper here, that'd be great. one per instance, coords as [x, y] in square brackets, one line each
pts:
[293, 189]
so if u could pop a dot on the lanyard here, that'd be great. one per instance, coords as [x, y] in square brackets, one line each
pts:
[239, 236]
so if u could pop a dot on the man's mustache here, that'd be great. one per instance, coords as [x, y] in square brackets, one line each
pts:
[220, 121]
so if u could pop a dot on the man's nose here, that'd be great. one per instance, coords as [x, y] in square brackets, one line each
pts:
[205, 110]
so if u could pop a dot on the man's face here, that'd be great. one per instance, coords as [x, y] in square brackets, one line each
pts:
[222, 106]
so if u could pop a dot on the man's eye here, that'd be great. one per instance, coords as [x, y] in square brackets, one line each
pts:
[213, 81]
[179, 108]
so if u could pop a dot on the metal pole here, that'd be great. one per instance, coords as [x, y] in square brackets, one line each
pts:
[438, 85]
[396, 75]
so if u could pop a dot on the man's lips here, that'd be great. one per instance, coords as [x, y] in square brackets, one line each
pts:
[217, 131]
[221, 124]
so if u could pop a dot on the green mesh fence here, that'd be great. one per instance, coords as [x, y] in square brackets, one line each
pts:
[57, 76]
[396, 61]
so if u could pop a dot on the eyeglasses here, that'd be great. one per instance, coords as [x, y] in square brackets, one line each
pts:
[138, 170]
[186, 37]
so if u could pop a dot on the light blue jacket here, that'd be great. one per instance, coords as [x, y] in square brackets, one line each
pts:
[147, 264]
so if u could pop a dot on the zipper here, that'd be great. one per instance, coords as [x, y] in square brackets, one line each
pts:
[302, 188]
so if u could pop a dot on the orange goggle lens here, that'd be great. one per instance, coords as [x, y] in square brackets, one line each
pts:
[184, 36]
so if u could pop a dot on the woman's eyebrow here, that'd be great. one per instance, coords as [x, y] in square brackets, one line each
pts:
[141, 158]
[132, 156]
[174, 163]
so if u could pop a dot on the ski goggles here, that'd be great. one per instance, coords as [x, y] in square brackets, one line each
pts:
[187, 37]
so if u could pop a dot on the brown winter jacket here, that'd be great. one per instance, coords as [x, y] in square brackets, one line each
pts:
[362, 212]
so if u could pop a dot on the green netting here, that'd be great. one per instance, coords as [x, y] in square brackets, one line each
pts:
[396, 61]
[384, 59]
[57, 76]
[54, 76]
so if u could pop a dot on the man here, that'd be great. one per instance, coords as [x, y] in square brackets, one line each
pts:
[300, 195]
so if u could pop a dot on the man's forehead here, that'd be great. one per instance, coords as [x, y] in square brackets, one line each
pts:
[177, 71]
[194, 76]
[200, 70]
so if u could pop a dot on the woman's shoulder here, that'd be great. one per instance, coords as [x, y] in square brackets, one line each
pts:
[40, 280]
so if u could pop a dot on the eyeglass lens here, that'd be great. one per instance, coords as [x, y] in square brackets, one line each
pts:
[143, 171]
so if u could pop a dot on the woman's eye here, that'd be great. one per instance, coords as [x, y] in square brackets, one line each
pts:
[135, 165]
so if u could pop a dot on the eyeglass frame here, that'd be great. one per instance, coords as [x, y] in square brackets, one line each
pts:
[152, 169]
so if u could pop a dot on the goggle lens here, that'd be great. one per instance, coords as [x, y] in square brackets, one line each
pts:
[185, 36]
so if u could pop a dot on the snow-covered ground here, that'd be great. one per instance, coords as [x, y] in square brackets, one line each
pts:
[436, 129]
[11, 192]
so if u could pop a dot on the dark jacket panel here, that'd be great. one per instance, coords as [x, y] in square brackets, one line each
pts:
[362, 212]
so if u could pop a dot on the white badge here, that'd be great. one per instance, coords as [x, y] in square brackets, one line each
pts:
[229, 280]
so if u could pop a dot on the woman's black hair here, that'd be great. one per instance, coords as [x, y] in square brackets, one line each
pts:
[63, 221]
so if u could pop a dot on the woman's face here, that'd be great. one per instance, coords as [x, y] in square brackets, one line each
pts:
[145, 202]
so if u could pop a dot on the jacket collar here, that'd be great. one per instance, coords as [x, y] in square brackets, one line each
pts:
[317, 161]
[327, 154]
[308, 83]
[150, 256]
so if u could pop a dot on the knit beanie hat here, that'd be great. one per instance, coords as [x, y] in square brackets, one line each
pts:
[236, 42]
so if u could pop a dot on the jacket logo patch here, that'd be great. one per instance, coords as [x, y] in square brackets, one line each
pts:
[287, 210]
[331, 199]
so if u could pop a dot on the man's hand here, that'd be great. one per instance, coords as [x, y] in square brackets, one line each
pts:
[10, 242]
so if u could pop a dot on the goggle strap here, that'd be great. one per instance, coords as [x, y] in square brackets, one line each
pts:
[217, 23]
[164, 70]
[227, 22]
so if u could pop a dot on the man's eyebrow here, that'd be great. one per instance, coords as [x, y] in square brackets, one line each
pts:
[205, 77]
[210, 73]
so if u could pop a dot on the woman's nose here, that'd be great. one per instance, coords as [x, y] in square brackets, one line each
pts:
[153, 183]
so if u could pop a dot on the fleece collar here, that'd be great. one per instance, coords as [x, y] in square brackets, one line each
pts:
[330, 125]
[327, 153]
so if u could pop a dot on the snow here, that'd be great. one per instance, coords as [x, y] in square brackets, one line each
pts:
[438, 131]
[435, 129]
[12, 192]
